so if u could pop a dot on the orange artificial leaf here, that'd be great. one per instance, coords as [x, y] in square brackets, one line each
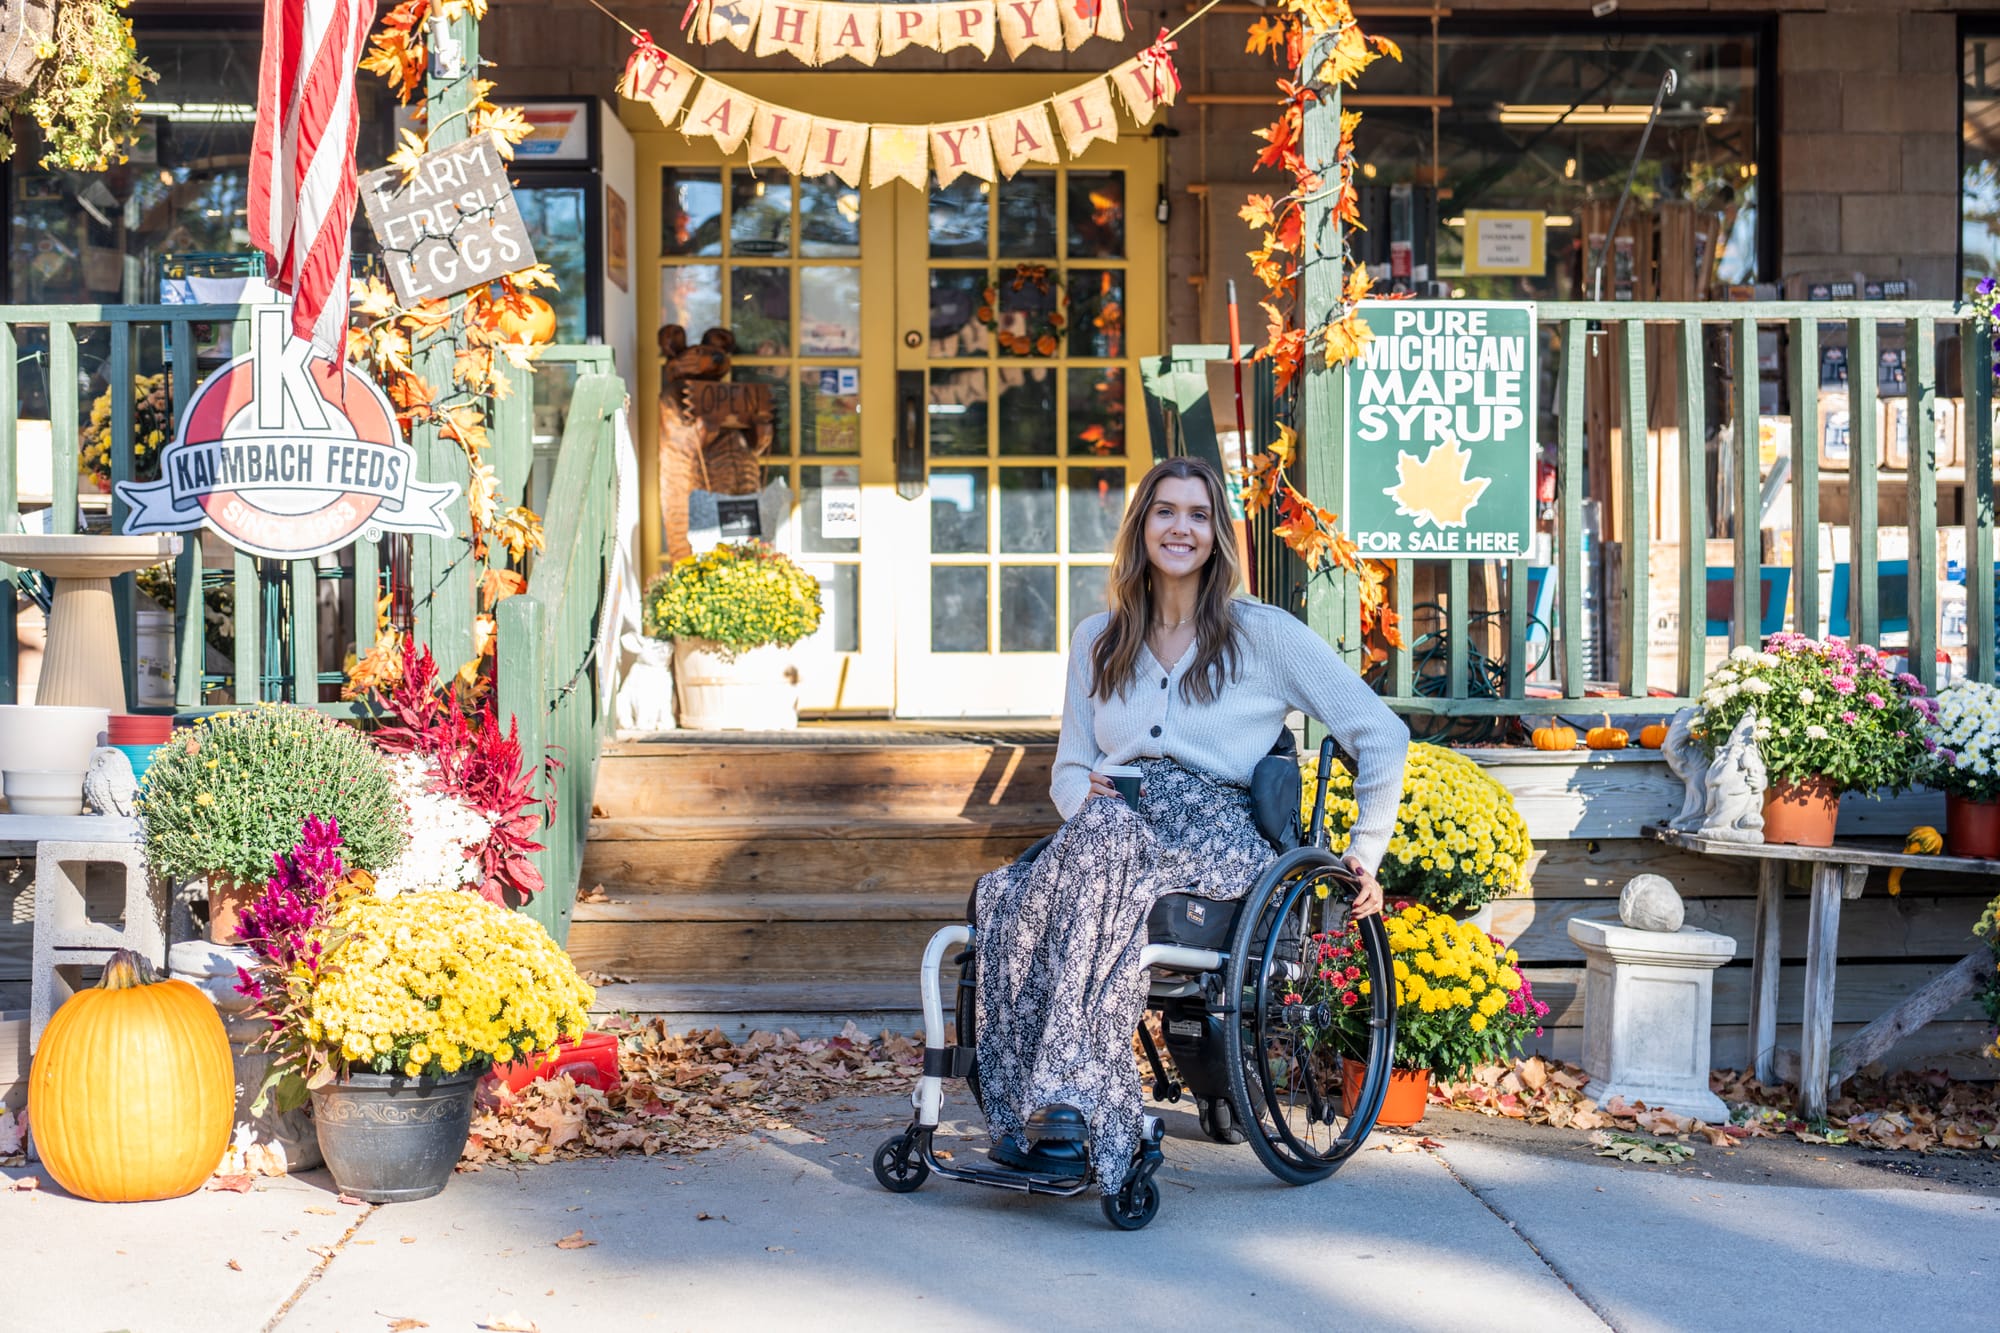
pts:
[496, 585]
[1286, 445]
[1387, 48]
[1436, 490]
[1346, 338]
[1259, 210]
[1266, 34]
[1350, 56]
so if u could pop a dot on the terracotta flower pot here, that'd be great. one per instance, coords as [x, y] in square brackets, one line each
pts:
[226, 900]
[1403, 1105]
[1972, 828]
[1802, 814]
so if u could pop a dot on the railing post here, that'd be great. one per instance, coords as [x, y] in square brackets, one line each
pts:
[1920, 426]
[1694, 509]
[1864, 587]
[1977, 352]
[10, 505]
[521, 699]
[1804, 374]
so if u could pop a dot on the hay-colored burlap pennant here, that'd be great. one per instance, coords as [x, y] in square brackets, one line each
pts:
[958, 150]
[1021, 137]
[720, 113]
[779, 134]
[1111, 20]
[908, 25]
[659, 79]
[837, 148]
[899, 152]
[966, 23]
[789, 27]
[732, 21]
[1079, 20]
[1140, 85]
[1085, 114]
[1029, 23]
[849, 32]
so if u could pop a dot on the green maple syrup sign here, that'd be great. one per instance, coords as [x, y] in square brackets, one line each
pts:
[1440, 430]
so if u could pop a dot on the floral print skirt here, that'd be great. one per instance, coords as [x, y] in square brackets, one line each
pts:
[1060, 990]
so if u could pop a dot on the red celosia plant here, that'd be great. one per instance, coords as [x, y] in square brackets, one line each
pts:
[282, 928]
[475, 761]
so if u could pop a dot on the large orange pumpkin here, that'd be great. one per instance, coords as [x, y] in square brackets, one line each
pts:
[132, 1095]
[537, 326]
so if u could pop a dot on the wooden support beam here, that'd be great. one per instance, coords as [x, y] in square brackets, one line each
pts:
[1816, 1026]
[1873, 1042]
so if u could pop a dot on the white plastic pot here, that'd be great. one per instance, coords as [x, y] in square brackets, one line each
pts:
[46, 737]
[757, 690]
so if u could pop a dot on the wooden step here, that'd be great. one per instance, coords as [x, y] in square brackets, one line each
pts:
[745, 952]
[783, 997]
[637, 905]
[836, 781]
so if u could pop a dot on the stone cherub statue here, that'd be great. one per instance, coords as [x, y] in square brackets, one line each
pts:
[1686, 762]
[1735, 802]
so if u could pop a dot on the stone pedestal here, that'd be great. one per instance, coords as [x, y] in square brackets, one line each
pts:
[1647, 1003]
[211, 968]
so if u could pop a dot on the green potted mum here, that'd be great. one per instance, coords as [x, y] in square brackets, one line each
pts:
[229, 794]
[1832, 717]
[732, 613]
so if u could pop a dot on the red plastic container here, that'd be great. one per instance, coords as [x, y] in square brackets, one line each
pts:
[591, 1059]
[141, 728]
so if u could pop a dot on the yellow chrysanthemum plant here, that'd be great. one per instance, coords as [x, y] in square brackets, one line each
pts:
[1461, 998]
[737, 596]
[1459, 841]
[436, 984]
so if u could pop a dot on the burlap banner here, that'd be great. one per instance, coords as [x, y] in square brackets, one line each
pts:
[985, 147]
[819, 32]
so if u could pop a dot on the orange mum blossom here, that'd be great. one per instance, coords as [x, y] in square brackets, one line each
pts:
[1287, 34]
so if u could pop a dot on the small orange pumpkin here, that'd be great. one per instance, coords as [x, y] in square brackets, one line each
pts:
[1553, 738]
[133, 1094]
[537, 325]
[1654, 736]
[1607, 737]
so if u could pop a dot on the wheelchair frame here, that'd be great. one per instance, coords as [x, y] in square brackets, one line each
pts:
[1285, 891]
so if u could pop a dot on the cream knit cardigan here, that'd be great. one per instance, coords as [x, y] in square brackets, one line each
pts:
[1281, 665]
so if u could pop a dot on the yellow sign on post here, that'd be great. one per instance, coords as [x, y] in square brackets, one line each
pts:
[1505, 243]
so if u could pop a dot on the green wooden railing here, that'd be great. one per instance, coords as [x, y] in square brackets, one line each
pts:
[546, 642]
[1596, 368]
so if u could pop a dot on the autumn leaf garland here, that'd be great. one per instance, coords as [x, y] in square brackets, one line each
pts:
[1287, 35]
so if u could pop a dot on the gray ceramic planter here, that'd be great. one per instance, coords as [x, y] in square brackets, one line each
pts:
[390, 1139]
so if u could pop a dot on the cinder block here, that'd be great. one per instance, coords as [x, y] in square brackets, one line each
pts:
[67, 940]
[1874, 227]
[1840, 162]
[1899, 103]
[1808, 105]
[1929, 42]
[1815, 43]
[1930, 163]
[1812, 224]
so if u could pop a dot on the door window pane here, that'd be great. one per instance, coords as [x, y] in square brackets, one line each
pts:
[958, 220]
[1096, 504]
[958, 609]
[1027, 304]
[780, 380]
[760, 214]
[1027, 410]
[1028, 609]
[958, 511]
[691, 296]
[958, 295]
[690, 211]
[1096, 215]
[957, 412]
[829, 310]
[1087, 592]
[1097, 410]
[1028, 216]
[760, 310]
[840, 605]
[1028, 510]
[555, 218]
[829, 409]
[830, 495]
[829, 218]
[1096, 312]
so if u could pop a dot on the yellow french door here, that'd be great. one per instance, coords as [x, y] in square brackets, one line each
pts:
[956, 467]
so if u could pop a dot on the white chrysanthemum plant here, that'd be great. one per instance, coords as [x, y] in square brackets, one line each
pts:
[446, 836]
[1964, 742]
[1825, 709]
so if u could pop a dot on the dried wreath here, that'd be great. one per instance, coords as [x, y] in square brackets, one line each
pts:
[1037, 336]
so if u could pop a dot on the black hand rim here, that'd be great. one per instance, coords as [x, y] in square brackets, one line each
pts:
[1382, 1041]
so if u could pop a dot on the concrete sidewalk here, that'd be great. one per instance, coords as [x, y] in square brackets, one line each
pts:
[792, 1229]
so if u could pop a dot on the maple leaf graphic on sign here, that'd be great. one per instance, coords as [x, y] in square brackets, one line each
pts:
[1436, 490]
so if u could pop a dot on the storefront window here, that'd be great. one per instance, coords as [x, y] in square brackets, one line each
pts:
[1979, 182]
[1529, 148]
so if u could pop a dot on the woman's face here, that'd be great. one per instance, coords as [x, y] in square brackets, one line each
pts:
[1180, 527]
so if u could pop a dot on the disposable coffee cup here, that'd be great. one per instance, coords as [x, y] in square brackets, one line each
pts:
[1125, 777]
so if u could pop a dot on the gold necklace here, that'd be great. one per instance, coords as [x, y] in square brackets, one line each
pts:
[1176, 625]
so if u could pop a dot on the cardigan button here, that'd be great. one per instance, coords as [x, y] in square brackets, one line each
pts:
[1156, 731]
[1163, 682]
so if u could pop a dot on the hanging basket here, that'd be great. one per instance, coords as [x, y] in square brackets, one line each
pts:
[24, 26]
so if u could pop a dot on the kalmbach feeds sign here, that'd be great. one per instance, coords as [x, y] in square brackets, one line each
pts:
[1440, 431]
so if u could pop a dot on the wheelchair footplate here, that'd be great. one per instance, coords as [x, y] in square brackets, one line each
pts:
[904, 1162]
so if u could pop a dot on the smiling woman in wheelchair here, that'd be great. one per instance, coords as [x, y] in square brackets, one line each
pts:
[1188, 683]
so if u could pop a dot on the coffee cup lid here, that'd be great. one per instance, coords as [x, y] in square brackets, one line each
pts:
[1121, 771]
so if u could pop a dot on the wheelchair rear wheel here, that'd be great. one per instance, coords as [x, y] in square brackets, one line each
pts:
[1286, 1059]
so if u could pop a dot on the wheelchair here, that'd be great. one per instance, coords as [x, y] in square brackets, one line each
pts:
[1261, 1064]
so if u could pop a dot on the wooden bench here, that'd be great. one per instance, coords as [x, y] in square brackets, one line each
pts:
[1837, 874]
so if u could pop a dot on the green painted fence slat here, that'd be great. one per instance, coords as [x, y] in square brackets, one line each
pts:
[1517, 628]
[62, 426]
[367, 589]
[1458, 626]
[1569, 486]
[305, 631]
[1976, 353]
[189, 652]
[1802, 374]
[1402, 662]
[1864, 442]
[1693, 410]
[1920, 426]
[245, 590]
[10, 505]
[1638, 546]
[1749, 516]
[121, 461]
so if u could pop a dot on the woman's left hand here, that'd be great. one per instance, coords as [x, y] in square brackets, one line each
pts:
[1368, 897]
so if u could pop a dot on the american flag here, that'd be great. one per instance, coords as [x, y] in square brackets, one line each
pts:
[302, 158]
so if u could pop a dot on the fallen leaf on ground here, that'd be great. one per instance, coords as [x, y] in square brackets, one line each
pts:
[408, 1240]
[27, 1183]
[1632, 1148]
[318, 1211]
[233, 1264]
[232, 1184]
[349, 1199]
[509, 1323]
[575, 1240]
[406, 1325]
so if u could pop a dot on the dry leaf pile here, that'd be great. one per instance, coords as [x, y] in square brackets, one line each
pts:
[1918, 1111]
[686, 1093]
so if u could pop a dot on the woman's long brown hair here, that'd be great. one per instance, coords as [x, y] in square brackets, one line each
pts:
[1114, 658]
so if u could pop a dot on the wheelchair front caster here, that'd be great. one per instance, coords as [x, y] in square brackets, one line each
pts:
[1133, 1206]
[899, 1168]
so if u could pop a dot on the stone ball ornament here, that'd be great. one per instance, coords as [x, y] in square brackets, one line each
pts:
[1650, 902]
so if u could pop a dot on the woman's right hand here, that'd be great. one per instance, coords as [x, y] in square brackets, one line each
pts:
[1101, 786]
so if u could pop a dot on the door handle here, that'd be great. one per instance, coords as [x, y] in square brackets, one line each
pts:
[910, 443]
